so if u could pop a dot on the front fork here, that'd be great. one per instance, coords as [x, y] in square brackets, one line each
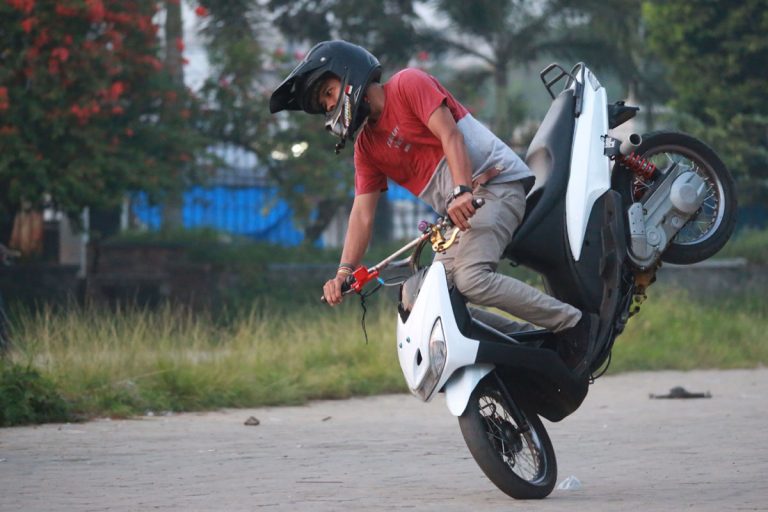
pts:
[517, 414]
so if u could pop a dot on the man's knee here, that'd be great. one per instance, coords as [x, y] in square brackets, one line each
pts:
[473, 281]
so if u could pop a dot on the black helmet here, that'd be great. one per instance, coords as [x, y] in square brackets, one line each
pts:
[353, 65]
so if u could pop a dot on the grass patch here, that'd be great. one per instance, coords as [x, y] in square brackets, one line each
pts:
[94, 362]
[675, 331]
[751, 244]
[135, 360]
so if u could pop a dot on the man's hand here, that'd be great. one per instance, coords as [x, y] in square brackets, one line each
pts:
[332, 290]
[460, 210]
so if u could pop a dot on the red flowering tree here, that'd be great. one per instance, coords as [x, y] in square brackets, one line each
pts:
[84, 103]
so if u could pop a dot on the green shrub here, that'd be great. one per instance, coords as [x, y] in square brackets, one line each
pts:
[28, 397]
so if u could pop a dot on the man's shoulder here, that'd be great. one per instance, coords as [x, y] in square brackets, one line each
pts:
[409, 74]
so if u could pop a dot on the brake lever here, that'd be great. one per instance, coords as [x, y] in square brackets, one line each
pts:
[441, 243]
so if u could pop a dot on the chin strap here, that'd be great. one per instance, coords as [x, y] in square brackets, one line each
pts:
[340, 145]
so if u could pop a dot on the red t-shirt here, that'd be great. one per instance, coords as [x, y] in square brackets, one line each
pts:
[400, 146]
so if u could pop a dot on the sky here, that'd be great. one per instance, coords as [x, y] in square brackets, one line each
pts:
[196, 71]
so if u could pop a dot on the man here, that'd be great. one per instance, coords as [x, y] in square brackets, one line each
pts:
[413, 131]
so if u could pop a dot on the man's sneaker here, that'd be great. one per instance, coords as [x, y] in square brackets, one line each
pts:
[577, 344]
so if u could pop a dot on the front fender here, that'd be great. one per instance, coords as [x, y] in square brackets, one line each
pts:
[460, 385]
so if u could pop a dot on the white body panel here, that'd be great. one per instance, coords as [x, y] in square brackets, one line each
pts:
[590, 168]
[461, 384]
[413, 336]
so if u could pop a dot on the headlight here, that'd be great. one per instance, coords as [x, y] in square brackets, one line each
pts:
[436, 364]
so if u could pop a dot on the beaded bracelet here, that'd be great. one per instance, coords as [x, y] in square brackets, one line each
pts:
[344, 270]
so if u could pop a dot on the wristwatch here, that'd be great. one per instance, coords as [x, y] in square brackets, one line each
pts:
[458, 190]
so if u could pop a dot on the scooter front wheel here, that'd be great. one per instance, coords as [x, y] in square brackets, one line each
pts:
[509, 443]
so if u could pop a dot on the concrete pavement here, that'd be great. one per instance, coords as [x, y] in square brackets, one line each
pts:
[393, 452]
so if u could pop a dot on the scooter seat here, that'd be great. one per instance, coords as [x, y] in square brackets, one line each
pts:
[549, 158]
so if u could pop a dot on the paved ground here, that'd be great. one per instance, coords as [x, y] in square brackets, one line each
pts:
[630, 453]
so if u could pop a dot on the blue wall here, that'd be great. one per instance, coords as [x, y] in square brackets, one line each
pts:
[253, 211]
[250, 211]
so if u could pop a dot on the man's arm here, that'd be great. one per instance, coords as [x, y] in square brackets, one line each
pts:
[355, 243]
[442, 125]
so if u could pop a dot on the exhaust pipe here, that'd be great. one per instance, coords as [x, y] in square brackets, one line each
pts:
[630, 144]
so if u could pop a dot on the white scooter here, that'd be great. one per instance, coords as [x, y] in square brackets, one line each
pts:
[600, 218]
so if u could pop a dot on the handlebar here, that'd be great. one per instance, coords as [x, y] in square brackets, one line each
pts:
[348, 286]
[362, 275]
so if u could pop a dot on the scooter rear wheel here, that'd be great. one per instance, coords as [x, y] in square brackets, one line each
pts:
[712, 225]
[514, 453]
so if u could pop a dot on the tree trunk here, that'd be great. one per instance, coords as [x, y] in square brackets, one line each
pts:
[326, 211]
[174, 33]
[501, 125]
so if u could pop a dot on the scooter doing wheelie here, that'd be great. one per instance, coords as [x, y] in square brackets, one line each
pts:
[601, 217]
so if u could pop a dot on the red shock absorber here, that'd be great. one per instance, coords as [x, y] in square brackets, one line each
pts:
[642, 167]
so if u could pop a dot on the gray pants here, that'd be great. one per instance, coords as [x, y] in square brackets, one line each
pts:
[471, 262]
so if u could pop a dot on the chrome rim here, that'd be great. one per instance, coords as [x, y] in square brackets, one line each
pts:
[710, 214]
[519, 448]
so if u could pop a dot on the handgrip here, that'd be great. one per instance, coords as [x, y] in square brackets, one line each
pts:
[346, 287]
[423, 225]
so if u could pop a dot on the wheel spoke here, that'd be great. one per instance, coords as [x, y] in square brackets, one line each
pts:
[523, 456]
[706, 221]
